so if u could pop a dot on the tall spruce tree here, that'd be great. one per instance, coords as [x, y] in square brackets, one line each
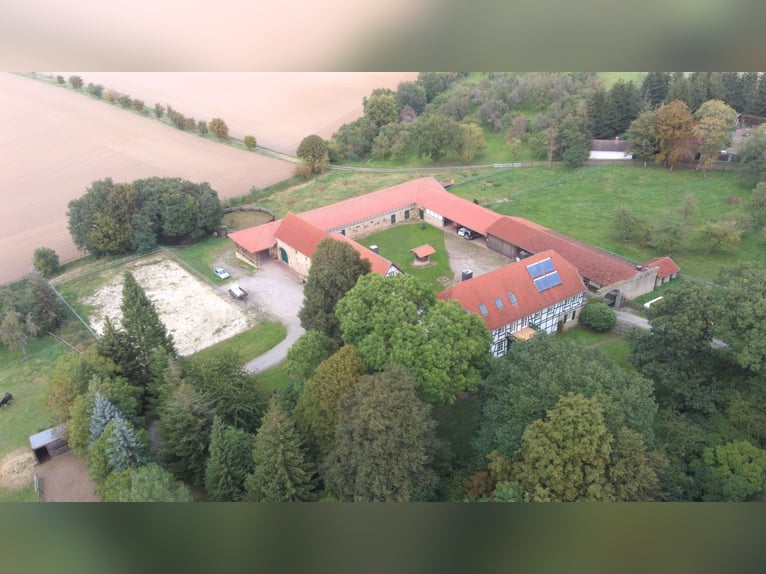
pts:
[103, 413]
[282, 473]
[141, 321]
[185, 424]
[126, 449]
[231, 460]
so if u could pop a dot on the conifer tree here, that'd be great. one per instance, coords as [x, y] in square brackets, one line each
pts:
[103, 413]
[125, 448]
[231, 460]
[141, 321]
[147, 483]
[184, 424]
[281, 472]
[384, 440]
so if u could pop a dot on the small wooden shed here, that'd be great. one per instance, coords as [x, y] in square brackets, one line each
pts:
[49, 443]
[423, 253]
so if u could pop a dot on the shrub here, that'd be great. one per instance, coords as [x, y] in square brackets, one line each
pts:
[159, 110]
[125, 101]
[303, 169]
[46, 261]
[138, 105]
[75, 82]
[111, 96]
[202, 128]
[60, 79]
[598, 316]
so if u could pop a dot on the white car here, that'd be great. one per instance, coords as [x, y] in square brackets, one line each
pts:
[221, 273]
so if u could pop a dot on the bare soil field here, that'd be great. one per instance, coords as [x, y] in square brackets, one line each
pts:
[55, 143]
[65, 478]
[278, 108]
[194, 313]
[17, 469]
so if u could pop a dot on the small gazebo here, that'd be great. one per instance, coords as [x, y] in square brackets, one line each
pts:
[423, 254]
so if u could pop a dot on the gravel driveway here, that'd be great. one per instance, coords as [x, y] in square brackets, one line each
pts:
[473, 255]
[278, 295]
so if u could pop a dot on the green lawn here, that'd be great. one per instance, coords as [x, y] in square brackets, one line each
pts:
[395, 244]
[26, 494]
[611, 78]
[586, 336]
[276, 378]
[249, 344]
[618, 350]
[202, 255]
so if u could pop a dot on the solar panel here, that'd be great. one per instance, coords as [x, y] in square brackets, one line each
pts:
[499, 303]
[540, 268]
[512, 298]
[534, 270]
[548, 281]
[483, 309]
[546, 266]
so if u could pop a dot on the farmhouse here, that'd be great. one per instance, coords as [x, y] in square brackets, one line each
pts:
[540, 293]
[292, 240]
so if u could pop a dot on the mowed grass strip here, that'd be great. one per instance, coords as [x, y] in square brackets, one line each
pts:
[274, 379]
[394, 244]
[249, 344]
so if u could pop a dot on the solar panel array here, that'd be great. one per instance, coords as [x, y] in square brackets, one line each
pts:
[544, 274]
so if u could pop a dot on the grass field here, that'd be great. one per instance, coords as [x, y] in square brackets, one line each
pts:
[26, 380]
[249, 344]
[582, 202]
[273, 379]
[395, 244]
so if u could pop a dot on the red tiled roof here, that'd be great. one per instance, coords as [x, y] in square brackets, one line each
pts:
[592, 262]
[423, 251]
[514, 278]
[425, 192]
[257, 238]
[666, 264]
[380, 264]
[300, 234]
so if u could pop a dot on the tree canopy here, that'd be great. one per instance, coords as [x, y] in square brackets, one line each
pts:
[335, 268]
[397, 320]
[383, 441]
[313, 150]
[531, 378]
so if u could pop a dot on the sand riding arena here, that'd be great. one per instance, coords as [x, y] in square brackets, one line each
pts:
[196, 313]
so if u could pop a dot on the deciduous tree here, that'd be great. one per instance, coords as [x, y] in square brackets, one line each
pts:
[46, 261]
[642, 135]
[471, 141]
[532, 377]
[733, 472]
[632, 470]
[381, 109]
[677, 354]
[435, 136]
[307, 353]
[281, 472]
[75, 82]
[413, 95]
[723, 234]
[675, 136]
[250, 142]
[17, 331]
[714, 122]
[159, 111]
[384, 441]
[752, 158]
[335, 268]
[317, 410]
[313, 150]
[565, 455]
[219, 129]
[396, 319]
[47, 311]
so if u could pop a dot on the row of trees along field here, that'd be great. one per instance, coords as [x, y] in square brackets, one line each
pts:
[377, 410]
[555, 115]
[217, 126]
[114, 218]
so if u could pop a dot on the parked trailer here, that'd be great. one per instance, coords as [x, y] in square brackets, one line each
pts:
[237, 292]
